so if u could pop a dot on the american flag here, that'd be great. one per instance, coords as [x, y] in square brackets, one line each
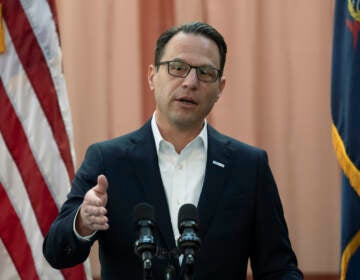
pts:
[36, 149]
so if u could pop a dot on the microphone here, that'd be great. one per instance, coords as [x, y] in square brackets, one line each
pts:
[188, 242]
[144, 220]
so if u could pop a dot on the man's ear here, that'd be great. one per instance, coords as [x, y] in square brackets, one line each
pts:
[221, 86]
[151, 74]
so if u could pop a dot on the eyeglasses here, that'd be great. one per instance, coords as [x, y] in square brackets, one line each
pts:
[205, 73]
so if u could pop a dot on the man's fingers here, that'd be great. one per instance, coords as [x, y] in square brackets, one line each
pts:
[97, 220]
[90, 210]
[102, 185]
[93, 211]
[94, 217]
[97, 196]
[99, 226]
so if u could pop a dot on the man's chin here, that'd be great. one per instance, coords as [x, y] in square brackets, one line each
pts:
[187, 122]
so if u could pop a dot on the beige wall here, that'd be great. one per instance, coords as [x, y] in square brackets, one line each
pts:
[277, 94]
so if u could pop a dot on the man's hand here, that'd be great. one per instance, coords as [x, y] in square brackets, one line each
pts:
[92, 214]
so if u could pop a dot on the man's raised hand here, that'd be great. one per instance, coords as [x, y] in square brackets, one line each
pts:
[92, 214]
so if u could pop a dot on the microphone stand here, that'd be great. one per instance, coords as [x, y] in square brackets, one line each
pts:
[145, 245]
[189, 259]
[147, 264]
[147, 274]
[171, 256]
[188, 242]
[170, 273]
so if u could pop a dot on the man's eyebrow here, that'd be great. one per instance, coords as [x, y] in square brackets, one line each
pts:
[201, 65]
[179, 60]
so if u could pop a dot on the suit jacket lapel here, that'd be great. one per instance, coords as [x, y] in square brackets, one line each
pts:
[217, 167]
[145, 161]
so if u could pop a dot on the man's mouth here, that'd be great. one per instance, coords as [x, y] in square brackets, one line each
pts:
[186, 100]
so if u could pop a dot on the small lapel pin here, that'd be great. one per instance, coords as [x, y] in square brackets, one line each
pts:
[218, 163]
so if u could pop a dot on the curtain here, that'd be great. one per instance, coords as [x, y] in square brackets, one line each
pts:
[277, 94]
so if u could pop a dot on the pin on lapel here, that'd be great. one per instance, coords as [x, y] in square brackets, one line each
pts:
[218, 163]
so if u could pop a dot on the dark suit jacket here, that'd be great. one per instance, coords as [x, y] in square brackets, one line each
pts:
[241, 216]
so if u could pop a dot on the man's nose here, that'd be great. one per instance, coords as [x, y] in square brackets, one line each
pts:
[191, 80]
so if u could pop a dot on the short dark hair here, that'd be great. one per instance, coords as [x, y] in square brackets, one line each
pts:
[198, 28]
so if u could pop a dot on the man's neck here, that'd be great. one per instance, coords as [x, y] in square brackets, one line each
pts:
[177, 136]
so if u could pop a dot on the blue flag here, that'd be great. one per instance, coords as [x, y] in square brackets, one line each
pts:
[345, 109]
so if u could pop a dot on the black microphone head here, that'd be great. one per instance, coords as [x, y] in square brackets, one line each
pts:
[187, 212]
[143, 211]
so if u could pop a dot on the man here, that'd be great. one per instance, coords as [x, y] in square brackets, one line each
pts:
[177, 158]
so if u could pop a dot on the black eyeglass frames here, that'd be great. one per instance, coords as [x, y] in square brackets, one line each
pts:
[181, 69]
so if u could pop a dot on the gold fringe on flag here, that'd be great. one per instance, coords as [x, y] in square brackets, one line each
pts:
[2, 33]
[354, 13]
[349, 168]
[348, 252]
[353, 174]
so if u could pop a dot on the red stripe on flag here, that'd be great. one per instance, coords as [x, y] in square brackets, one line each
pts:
[13, 236]
[34, 63]
[74, 273]
[17, 143]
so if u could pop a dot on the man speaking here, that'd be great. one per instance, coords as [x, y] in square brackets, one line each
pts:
[177, 158]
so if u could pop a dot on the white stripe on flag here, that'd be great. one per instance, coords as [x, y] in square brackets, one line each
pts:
[8, 270]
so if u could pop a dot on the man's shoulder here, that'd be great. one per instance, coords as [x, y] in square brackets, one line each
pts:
[123, 141]
[232, 143]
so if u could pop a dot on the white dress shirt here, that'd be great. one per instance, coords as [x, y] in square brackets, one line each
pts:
[182, 174]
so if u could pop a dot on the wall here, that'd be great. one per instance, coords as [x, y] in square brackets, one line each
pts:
[277, 94]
